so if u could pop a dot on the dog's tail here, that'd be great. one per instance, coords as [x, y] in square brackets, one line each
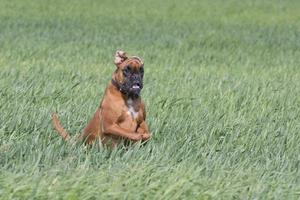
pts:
[61, 131]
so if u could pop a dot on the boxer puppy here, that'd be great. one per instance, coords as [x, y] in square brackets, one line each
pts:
[121, 114]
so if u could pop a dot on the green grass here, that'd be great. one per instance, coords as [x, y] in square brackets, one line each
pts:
[222, 89]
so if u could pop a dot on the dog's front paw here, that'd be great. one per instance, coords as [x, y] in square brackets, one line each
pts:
[136, 137]
[146, 136]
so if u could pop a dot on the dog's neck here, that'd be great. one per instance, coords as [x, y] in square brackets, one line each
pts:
[116, 84]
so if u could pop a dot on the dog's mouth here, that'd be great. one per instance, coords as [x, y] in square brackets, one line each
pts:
[135, 89]
[136, 86]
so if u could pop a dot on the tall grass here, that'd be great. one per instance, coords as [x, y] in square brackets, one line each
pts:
[222, 85]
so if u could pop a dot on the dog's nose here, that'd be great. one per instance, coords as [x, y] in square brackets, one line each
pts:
[137, 83]
[136, 79]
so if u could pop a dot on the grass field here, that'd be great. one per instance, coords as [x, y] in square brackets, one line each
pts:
[222, 89]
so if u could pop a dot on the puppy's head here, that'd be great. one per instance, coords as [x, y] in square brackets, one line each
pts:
[129, 73]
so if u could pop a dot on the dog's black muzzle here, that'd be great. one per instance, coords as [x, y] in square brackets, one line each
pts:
[136, 81]
[132, 85]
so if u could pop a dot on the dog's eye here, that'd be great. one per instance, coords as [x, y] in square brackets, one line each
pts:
[126, 70]
[142, 70]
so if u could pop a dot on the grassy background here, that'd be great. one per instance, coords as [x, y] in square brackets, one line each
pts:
[222, 85]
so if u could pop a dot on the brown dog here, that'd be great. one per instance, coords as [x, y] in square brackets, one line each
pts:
[121, 114]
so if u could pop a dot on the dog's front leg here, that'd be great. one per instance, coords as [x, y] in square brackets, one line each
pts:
[144, 131]
[116, 130]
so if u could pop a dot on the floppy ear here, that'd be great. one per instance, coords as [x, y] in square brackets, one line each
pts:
[120, 57]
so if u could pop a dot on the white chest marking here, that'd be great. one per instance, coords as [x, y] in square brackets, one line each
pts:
[131, 110]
